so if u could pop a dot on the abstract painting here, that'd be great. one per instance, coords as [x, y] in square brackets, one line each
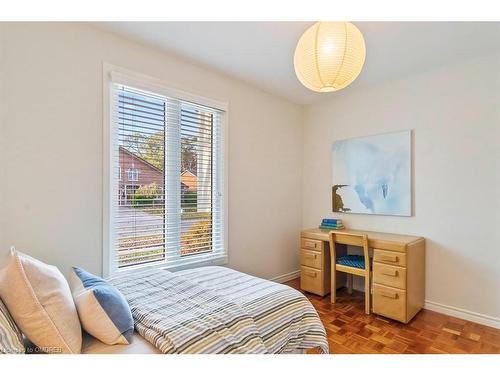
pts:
[372, 175]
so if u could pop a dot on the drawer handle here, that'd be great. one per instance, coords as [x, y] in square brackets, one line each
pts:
[393, 273]
[311, 244]
[310, 273]
[391, 295]
[314, 256]
[389, 258]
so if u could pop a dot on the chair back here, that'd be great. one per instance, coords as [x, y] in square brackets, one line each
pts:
[353, 239]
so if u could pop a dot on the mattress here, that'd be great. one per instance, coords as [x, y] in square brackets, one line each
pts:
[219, 310]
[139, 345]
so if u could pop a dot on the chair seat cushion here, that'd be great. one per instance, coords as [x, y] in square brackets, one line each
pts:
[356, 261]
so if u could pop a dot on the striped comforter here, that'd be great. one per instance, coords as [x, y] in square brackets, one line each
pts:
[219, 310]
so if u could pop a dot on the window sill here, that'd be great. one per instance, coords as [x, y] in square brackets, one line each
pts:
[215, 261]
[194, 263]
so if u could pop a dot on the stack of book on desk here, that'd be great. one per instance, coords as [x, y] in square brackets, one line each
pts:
[331, 224]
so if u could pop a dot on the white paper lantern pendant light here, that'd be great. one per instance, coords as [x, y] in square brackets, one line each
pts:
[329, 56]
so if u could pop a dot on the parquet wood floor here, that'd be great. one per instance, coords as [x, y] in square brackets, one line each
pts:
[350, 330]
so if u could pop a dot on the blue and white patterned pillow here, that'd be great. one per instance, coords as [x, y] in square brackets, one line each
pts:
[103, 310]
[11, 338]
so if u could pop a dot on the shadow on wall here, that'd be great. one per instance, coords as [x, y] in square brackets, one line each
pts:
[4, 256]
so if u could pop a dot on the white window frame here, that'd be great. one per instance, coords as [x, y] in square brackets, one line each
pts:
[133, 171]
[115, 74]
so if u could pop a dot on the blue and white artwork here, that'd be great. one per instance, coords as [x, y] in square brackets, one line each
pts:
[372, 175]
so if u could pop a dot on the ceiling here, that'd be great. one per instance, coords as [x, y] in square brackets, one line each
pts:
[261, 53]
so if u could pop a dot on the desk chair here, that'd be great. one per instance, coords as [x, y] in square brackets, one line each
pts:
[350, 264]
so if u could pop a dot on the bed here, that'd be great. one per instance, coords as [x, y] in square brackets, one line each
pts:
[216, 310]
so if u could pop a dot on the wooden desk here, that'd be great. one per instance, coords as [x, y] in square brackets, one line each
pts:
[398, 273]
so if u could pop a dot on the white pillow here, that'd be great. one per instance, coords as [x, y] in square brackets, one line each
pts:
[39, 299]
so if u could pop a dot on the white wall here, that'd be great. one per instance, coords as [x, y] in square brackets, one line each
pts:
[52, 160]
[454, 111]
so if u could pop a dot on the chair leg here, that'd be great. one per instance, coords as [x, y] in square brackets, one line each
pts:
[367, 294]
[333, 286]
[349, 283]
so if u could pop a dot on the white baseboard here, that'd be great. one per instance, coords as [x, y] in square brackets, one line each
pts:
[456, 312]
[286, 277]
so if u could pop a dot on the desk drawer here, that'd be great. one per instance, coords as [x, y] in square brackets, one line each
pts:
[311, 280]
[307, 243]
[389, 275]
[389, 257]
[389, 302]
[311, 258]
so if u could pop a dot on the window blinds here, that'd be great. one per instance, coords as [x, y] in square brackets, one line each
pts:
[171, 212]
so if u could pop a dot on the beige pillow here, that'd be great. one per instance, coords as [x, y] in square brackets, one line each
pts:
[39, 299]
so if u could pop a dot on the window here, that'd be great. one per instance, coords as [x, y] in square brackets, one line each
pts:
[174, 215]
[133, 174]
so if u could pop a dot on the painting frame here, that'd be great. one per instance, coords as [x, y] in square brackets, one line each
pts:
[395, 149]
